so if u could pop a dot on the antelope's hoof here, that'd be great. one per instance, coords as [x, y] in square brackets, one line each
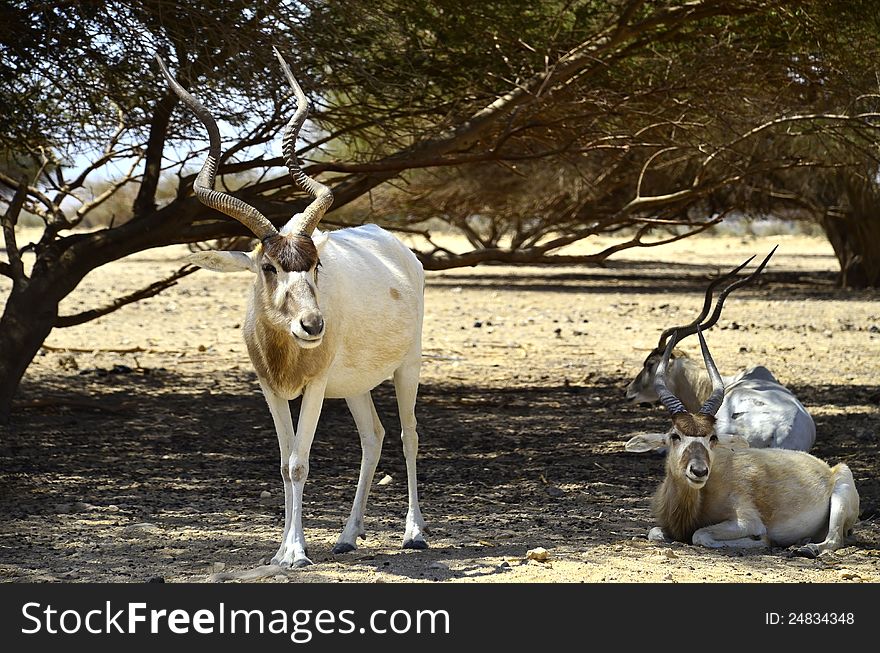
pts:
[343, 547]
[299, 563]
[415, 543]
[807, 551]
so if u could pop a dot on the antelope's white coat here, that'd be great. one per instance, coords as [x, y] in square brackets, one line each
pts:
[370, 292]
[756, 406]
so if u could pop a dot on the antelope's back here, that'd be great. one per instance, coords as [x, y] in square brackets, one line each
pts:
[371, 291]
[766, 413]
[370, 254]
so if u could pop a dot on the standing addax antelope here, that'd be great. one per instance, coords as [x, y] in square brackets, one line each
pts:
[716, 494]
[334, 334]
[756, 406]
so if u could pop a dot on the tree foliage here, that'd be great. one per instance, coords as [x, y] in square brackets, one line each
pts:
[527, 125]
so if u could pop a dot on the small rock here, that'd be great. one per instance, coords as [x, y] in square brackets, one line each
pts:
[846, 574]
[68, 363]
[265, 496]
[385, 480]
[218, 566]
[504, 565]
[669, 553]
[538, 554]
[281, 578]
[156, 579]
[668, 578]
[203, 348]
[478, 324]
[874, 328]
[144, 528]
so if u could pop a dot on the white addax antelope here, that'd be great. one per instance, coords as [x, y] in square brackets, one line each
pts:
[337, 334]
[717, 494]
[756, 406]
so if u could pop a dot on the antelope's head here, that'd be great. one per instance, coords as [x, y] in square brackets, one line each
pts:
[642, 388]
[285, 262]
[692, 440]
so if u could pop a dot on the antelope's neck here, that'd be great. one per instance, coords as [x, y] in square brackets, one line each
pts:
[279, 361]
[677, 509]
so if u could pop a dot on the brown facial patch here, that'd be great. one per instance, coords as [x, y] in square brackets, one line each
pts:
[695, 426]
[294, 252]
[395, 293]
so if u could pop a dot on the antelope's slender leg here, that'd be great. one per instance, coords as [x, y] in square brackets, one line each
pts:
[406, 387]
[843, 515]
[747, 531]
[372, 434]
[298, 466]
[280, 409]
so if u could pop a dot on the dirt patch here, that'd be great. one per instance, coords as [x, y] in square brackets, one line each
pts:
[153, 455]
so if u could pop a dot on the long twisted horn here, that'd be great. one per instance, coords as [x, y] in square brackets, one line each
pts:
[713, 403]
[203, 186]
[309, 218]
[691, 328]
[724, 293]
[673, 404]
[688, 329]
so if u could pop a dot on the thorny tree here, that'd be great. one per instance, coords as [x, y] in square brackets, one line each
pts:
[607, 114]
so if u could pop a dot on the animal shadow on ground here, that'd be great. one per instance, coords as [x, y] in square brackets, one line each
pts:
[82, 491]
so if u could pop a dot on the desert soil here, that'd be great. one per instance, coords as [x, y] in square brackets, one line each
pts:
[141, 449]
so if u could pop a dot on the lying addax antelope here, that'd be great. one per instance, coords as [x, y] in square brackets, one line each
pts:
[717, 494]
[756, 406]
[337, 334]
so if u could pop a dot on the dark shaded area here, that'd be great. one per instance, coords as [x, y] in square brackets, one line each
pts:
[535, 464]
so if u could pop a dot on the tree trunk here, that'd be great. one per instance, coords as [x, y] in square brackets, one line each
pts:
[27, 319]
[855, 236]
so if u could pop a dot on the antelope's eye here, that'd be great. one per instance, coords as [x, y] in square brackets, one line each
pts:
[713, 438]
[268, 268]
[675, 437]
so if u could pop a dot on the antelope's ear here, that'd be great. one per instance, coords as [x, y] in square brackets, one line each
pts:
[223, 261]
[646, 442]
[733, 441]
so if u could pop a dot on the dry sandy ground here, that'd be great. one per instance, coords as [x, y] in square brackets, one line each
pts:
[522, 418]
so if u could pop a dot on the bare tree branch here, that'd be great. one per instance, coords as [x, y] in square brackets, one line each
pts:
[153, 289]
[14, 267]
